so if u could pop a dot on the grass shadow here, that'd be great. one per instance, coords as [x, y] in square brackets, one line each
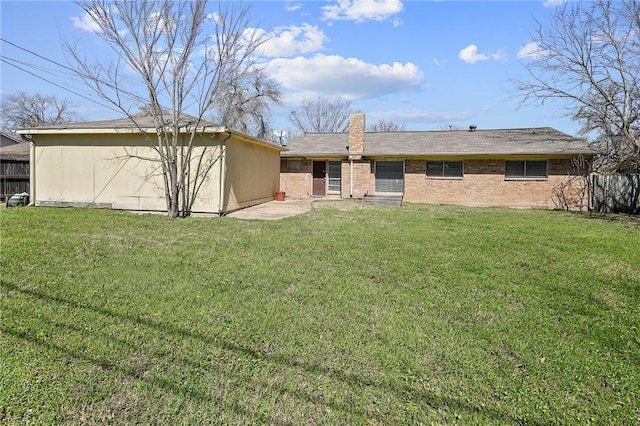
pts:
[403, 392]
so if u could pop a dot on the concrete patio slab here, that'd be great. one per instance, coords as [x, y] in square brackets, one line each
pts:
[274, 210]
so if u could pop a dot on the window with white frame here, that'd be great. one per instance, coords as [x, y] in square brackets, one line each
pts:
[450, 169]
[525, 169]
[335, 176]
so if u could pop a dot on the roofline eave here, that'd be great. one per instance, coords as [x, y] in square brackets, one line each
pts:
[98, 131]
[425, 156]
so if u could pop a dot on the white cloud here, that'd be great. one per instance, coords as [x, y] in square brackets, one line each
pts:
[531, 50]
[439, 63]
[292, 7]
[349, 78]
[86, 23]
[362, 10]
[397, 22]
[499, 55]
[215, 17]
[426, 116]
[470, 54]
[553, 3]
[292, 40]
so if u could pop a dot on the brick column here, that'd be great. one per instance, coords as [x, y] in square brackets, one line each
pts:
[356, 135]
[359, 167]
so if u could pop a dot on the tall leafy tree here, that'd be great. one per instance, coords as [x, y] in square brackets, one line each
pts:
[588, 56]
[246, 101]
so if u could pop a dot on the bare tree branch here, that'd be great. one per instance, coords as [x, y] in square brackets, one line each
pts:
[246, 102]
[22, 110]
[383, 125]
[321, 116]
[174, 58]
[588, 56]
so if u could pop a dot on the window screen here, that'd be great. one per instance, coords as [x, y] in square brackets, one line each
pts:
[335, 176]
[525, 169]
[389, 176]
[294, 165]
[444, 168]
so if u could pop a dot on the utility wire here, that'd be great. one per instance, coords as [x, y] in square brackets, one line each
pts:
[38, 55]
[74, 72]
[33, 66]
[58, 85]
[60, 65]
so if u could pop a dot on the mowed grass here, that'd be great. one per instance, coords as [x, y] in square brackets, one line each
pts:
[344, 315]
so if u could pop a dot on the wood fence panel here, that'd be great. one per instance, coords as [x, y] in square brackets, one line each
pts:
[615, 193]
[14, 177]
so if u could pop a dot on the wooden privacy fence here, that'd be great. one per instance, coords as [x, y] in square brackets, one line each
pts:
[615, 193]
[14, 177]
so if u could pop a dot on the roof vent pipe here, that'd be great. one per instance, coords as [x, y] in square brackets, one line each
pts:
[473, 128]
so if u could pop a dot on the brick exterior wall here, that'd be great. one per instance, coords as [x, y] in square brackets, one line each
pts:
[483, 184]
[297, 184]
[363, 182]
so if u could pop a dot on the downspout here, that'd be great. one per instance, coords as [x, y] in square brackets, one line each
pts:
[223, 173]
[351, 177]
[32, 173]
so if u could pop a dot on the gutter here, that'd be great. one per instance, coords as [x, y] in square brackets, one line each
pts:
[223, 173]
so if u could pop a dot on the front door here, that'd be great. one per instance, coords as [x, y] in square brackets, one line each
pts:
[319, 177]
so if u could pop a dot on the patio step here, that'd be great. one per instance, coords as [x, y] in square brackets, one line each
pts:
[382, 200]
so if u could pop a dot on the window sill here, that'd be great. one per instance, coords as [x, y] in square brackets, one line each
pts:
[443, 178]
[534, 179]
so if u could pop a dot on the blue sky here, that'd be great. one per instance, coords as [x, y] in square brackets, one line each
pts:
[427, 64]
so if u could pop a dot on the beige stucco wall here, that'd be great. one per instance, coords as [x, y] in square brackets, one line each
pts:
[112, 170]
[252, 174]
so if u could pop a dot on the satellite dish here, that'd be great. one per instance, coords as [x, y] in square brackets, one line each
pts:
[279, 134]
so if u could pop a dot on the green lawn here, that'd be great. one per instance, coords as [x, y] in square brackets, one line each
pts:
[344, 315]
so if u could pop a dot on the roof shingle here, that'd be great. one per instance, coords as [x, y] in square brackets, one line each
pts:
[529, 141]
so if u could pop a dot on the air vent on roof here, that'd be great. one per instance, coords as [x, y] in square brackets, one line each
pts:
[473, 128]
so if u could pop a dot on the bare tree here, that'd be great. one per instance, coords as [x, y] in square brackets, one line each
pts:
[448, 127]
[588, 55]
[174, 58]
[246, 101]
[321, 115]
[22, 110]
[383, 125]
[573, 192]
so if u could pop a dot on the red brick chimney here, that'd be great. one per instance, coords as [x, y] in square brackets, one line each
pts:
[356, 135]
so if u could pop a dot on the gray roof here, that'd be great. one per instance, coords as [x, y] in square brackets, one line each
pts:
[531, 141]
[19, 150]
[9, 139]
[145, 122]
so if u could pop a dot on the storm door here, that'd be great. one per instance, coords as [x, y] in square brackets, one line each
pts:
[319, 177]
